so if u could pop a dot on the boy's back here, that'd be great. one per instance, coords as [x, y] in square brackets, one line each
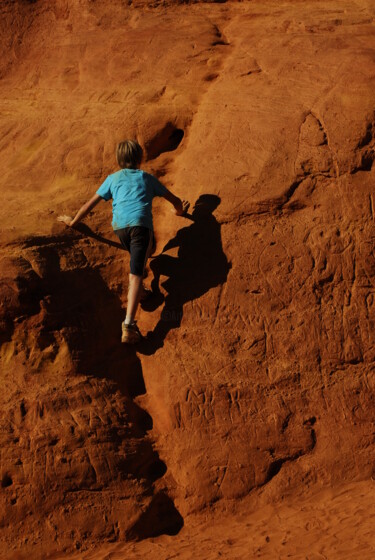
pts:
[132, 191]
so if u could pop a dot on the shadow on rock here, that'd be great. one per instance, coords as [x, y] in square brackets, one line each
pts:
[161, 518]
[88, 232]
[201, 265]
[78, 310]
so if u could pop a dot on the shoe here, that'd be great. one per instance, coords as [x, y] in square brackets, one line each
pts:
[130, 333]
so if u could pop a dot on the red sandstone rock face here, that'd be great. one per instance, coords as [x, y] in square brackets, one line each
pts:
[255, 377]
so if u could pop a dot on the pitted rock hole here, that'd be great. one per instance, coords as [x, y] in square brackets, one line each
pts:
[166, 140]
[6, 481]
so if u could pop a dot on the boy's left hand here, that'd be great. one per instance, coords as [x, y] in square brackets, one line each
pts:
[67, 220]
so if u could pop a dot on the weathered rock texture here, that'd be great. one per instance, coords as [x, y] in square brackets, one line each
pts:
[256, 374]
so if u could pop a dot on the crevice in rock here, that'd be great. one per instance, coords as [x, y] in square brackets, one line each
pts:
[23, 409]
[366, 162]
[365, 151]
[274, 469]
[367, 137]
[277, 463]
[165, 140]
[6, 481]
[220, 39]
[161, 517]
[220, 42]
[288, 194]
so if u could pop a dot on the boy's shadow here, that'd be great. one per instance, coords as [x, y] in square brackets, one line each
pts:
[88, 232]
[201, 265]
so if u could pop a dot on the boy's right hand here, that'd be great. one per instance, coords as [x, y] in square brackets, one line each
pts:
[184, 208]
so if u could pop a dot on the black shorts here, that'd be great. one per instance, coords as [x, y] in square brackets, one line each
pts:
[139, 241]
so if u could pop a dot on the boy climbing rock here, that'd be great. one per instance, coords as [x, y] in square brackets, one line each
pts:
[132, 191]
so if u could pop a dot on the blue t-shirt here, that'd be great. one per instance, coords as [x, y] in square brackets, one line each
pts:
[132, 191]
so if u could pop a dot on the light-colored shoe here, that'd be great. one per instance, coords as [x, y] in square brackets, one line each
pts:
[130, 333]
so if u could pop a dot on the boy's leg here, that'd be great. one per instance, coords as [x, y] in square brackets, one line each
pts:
[134, 292]
[140, 250]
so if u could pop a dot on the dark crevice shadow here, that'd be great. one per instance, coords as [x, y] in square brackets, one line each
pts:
[160, 518]
[167, 139]
[79, 304]
[201, 265]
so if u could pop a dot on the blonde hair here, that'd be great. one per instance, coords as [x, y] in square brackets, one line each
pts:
[129, 154]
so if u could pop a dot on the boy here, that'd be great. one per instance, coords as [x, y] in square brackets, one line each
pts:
[131, 191]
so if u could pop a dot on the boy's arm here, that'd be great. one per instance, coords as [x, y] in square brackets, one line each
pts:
[82, 212]
[181, 206]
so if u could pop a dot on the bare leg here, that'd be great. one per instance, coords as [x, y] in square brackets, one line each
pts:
[134, 293]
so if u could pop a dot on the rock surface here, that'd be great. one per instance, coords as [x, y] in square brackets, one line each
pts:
[254, 383]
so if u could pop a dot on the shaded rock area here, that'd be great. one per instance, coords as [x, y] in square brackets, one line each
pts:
[74, 443]
[254, 383]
